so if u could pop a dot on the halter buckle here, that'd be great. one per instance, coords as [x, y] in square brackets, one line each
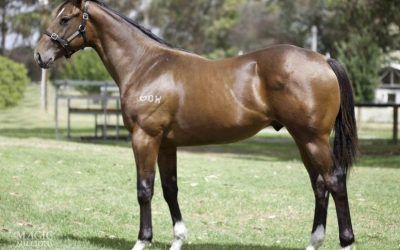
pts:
[85, 16]
[54, 36]
[81, 29]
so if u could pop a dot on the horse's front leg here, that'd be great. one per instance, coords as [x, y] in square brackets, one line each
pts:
[145, 148]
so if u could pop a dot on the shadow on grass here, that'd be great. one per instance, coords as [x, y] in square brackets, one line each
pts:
[255, 148]
[49, 134]
[5, 242]
[41, 133]
[117, 243]
[374, 152]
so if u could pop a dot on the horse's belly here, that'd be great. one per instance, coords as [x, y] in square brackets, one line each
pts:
[216, 131]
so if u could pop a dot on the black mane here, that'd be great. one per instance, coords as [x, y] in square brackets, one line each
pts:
[145, 31]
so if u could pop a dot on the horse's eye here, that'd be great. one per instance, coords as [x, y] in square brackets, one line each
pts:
[64, 20]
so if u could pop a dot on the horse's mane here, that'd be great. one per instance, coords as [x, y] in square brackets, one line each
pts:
[145, 31]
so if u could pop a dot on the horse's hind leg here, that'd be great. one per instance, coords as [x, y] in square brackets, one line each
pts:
[321, 211]
[336, 182]
[321, 195]
[167, 167]
[317, 156]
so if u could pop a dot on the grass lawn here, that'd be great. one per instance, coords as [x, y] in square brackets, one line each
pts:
[249, 195]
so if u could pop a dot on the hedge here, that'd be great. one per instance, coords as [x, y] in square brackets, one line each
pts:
[13, 82]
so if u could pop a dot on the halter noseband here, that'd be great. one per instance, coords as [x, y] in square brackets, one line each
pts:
[65, 43]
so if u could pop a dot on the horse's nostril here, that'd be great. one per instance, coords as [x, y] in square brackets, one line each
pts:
[39, 58]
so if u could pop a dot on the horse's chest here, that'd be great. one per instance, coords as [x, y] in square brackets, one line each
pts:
[150, 111]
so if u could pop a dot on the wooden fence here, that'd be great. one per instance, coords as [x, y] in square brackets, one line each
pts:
[108, 93]
[395, 108]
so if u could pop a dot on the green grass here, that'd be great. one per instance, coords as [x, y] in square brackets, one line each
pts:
[249, 195]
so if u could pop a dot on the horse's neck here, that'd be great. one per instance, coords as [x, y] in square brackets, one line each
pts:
[122, 47]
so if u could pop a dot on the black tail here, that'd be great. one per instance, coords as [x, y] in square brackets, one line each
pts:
[345, 145]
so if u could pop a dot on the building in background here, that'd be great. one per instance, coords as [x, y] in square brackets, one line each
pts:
[389, 90]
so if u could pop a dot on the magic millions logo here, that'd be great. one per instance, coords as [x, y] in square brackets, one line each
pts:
[34, 240]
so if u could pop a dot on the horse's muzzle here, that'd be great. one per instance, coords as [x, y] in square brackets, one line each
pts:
[43, 62]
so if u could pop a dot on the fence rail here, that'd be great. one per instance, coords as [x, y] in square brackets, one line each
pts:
[108, 92]
[395, 108]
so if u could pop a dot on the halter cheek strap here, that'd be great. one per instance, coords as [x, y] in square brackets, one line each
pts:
[66, 42]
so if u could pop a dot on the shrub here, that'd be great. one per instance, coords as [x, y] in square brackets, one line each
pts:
[13, 81]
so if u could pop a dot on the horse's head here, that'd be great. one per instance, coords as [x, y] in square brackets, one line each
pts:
[65, 35]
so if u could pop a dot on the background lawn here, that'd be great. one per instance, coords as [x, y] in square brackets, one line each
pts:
[250, 195]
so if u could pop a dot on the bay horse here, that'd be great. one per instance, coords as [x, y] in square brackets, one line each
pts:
[172, 98]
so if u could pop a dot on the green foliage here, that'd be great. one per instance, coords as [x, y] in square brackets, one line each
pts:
[363, 60]
[201, 26]
[379, 17]
[85, 65]
[221, 53]
[219, 32]
[206, 27]
[13, 81]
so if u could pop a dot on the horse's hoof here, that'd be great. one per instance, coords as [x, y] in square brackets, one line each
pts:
[351, 247]
[180, 235]
[140, 245]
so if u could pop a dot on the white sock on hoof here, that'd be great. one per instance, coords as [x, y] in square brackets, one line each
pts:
[351, 247]
[180, 234]
[140, 245]
[317, 238]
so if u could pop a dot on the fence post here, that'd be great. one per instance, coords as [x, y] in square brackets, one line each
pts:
[395, 124]
[56, 114]
[69, 118]
[43, 90]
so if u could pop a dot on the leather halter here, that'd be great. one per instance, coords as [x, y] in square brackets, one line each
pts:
[65, 42]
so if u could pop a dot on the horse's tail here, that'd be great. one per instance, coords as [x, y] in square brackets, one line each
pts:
[345, 147]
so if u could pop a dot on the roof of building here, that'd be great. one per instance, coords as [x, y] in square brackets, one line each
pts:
[395, 66]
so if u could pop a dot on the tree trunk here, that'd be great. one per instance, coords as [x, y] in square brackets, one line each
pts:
[3, 27]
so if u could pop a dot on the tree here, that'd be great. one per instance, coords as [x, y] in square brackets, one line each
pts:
[363, 60]
[340, 19]
[16, 16]
[360, 33]
[262, 23]
[201, 26]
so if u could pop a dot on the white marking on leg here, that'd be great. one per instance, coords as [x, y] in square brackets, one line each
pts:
[140, 245]
[317, 238]
[348, 248]
[180, 234]
[59, 14]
